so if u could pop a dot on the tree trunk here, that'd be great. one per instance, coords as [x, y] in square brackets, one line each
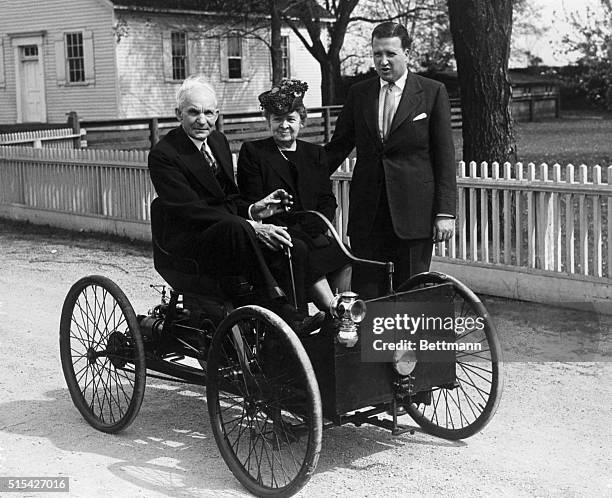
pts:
[332, 89]
[275, 42]
[481, 31]
[327, 90]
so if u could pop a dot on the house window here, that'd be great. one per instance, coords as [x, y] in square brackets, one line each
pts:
[234, 57]
[285, 56]
[30, 52]
[75, 57]
[179, 55]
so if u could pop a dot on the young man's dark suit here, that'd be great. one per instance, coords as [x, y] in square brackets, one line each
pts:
[399, 186]
[205, 212]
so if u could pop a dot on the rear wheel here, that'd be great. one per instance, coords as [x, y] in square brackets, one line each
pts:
[102, 353]
[264, 402]
[462, 410]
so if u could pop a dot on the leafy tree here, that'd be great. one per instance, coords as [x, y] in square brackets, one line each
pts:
[426, 21]
[328, 56]
[592, 40]
[527, 30]
[327, 35]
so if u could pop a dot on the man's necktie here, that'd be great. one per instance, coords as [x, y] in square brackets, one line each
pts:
[388, 106]
[210, 160]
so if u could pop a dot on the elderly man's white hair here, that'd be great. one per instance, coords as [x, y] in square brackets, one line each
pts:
[194, 82]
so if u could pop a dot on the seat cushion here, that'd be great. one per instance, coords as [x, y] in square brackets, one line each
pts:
[189, 282]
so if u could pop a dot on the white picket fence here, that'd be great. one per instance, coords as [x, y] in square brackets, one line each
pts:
[88, 189]
[543, 216]
[534, 232]
[62, 138]
[523, 231]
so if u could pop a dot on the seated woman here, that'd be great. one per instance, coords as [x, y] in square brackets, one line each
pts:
[299, 167]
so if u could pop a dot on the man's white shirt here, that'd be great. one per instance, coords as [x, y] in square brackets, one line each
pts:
[397, 90]
[201, 143]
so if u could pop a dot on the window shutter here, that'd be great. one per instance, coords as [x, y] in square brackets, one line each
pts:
[60, 60]
[2, 77]
[289, 57]
[246, 57]
[167, 54]
[223, 58]
[191, 54]
[88, 56]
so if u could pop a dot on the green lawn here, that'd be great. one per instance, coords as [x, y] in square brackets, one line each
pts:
[576, 138]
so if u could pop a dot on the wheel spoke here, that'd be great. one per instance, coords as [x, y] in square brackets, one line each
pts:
[263, 442]
[480, 391]
[118, 386]
[77, 354]
[99, 336]
[241, 427]
[79, 329]
[461, 408]
[457, 403]
[85, 318]
[474, 372]
[477, 367]
[91, 314]
[90, 369]
[471, 403]
[476, 355]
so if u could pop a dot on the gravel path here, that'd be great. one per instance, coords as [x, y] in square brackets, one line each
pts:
[551, 436]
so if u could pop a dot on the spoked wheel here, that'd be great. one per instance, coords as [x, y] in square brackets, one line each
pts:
[264, 402]
[102, 353]
[460, 411]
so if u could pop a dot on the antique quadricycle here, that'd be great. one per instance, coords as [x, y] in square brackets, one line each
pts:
[269, 392]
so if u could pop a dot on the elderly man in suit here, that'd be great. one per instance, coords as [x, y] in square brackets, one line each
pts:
[207, 219]
[403, 189]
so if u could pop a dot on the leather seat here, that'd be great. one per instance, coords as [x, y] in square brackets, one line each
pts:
[182, 274]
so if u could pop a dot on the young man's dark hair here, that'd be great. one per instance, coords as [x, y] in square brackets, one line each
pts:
[391, 29]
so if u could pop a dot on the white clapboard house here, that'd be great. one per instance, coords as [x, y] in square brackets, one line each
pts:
[108, 59]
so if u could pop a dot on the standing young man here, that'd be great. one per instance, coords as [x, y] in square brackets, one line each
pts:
[403, 189]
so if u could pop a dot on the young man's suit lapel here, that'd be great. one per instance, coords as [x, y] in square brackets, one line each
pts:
[409, 104]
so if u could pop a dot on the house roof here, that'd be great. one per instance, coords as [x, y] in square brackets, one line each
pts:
[206, 6]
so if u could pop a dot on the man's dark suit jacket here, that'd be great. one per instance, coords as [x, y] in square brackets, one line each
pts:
[192, 197]
[416, 162]
[262, 169]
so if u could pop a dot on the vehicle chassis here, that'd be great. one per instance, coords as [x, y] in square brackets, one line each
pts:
[268, 391]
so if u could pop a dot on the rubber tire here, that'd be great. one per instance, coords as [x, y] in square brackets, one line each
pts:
[497, 373]
[313, 450]
[81, 288]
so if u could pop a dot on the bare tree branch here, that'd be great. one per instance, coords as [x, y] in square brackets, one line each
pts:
[294, 27]
[404, 13]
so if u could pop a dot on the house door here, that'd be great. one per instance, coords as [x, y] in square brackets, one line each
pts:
[31, 80]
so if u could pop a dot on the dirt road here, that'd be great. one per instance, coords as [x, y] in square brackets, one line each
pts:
[551, 436]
